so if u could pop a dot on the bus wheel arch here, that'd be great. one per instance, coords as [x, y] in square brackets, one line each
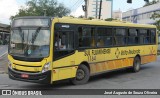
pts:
[82, 74]
[86, 64]
[138, 56]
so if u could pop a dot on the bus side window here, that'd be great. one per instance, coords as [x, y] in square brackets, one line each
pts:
[93, 37]
[86, 36]
[147, 38]
[143, 34]
[120, 37]
[133, 37]
[153, 36]
[100, 37]
[104, 38]
[64, 43]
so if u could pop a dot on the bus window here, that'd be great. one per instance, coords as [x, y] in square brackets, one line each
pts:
[153, 36]
[143, 34]
[86, 37]
[120, 37]
[147, 38]
[64, 43]
[64, 40]
[133, 37]
[104, 38]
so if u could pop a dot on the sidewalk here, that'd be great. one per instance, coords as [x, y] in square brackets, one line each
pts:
[3, 58]
[3, 50]
[3, 64]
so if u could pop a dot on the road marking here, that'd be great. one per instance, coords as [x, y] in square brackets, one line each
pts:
[3, 54]
[4, 85]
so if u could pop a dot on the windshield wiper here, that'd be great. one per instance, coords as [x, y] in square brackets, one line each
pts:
[35, 35]
[21, 34]
[32, 40]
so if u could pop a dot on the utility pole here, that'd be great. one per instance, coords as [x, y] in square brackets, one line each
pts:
[85, 11]
[45, 12]
[96, 9]
[100, 7]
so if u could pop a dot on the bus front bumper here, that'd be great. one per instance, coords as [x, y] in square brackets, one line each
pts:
[44, 78]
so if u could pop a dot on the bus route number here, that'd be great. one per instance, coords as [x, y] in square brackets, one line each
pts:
[91, 58]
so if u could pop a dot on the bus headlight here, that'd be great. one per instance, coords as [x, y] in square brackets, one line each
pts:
[9, 64]
[46, 67]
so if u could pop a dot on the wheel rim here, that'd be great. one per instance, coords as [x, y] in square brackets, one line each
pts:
[80, 74]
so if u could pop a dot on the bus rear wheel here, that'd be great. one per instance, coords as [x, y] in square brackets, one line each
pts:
[136, 64]
[82, 75]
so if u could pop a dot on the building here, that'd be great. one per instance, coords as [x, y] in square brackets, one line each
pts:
[142, 15]
[4, 34]
[117, 15]
[4, 27]
[93, 8]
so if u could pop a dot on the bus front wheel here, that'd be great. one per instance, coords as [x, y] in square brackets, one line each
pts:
[82, 75]
[136, 64]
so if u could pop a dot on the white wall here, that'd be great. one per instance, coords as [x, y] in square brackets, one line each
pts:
[105, 11]
[141, 15]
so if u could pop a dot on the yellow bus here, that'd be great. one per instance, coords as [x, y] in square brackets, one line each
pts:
[45, 49]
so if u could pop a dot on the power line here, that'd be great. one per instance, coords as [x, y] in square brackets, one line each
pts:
[75, 4]
[78, 5]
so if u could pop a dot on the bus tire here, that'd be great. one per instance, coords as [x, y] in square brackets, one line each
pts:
[136, 64]
[82, 75]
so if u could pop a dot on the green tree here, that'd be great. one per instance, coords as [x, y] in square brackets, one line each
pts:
[110, 19]
[81, 16]
[90, 18]
[41, 7]
[156, 17]
[151, 3]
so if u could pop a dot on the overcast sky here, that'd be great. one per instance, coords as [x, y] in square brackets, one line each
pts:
[10, 7]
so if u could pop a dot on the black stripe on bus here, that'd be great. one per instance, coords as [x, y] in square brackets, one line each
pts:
[26, 65]
[65, 66]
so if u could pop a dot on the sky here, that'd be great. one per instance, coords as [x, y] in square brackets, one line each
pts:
[9, 8]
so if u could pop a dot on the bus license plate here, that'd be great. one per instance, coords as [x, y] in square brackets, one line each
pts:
[24, 75]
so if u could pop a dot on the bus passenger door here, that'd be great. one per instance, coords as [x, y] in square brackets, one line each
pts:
[64, 55]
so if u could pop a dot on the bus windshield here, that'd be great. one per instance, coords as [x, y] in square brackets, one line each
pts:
[30, 42]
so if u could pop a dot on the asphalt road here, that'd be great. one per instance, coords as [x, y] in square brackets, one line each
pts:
[147, 78]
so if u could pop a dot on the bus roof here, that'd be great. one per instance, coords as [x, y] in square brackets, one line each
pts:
[33, 17]
[90, 22]
[102, 22]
